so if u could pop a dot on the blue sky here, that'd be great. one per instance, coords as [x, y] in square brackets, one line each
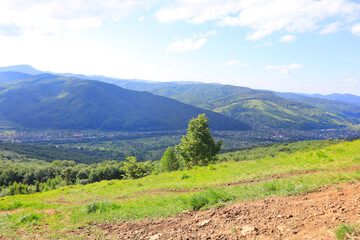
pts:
[310, 46]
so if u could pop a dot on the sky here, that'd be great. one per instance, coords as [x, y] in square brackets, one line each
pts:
[307, 46]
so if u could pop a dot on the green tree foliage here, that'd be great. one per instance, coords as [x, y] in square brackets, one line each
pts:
[169, 161]
[198, 148]
[134, 169]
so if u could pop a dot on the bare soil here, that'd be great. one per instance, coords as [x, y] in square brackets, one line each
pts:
[308, 216]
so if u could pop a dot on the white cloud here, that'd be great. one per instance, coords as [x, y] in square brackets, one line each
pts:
[234, 63]
[356, 29]
[10, 30]
[190, 44]
[141, 18]
[210, 33]
[263, 17]
[288, 38]
[43, 16]
[283, 69]
[331, 28]
[187, 45]
[351, 80]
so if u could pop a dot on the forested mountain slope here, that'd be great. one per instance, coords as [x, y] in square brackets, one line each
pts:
[254, 106]
[54, 102]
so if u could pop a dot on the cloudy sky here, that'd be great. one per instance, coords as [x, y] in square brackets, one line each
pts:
[310, 46]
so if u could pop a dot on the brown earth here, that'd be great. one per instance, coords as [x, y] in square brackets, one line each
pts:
[308, 216]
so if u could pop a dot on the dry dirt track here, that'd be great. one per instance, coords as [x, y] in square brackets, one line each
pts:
[308, 216]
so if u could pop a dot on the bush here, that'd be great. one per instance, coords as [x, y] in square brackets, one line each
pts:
[134, 169]
[209, 197]
[18, 188]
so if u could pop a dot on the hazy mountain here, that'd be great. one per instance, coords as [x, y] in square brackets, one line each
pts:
[6, 77]
[132, 84]
[54, 102]
[349, 98]
[21, 69]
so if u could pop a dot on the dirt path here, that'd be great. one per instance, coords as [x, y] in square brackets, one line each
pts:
[308, 216]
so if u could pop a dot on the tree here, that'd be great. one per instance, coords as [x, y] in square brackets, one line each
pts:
[134, 169]
[169, 161]
[198, 147]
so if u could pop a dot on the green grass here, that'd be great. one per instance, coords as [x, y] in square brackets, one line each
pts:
[346, 231]
[100, 207]
[209, 197]
[67, 208]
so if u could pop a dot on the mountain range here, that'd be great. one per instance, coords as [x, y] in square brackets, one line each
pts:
[93, 101]
[48, 101]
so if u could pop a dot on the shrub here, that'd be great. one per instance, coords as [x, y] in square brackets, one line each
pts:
[18, 188]
[134, 169]
[209, 197]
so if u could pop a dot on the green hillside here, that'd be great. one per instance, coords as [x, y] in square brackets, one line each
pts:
[348, 111]
[255, 107]
[52, 102]
[279, 172]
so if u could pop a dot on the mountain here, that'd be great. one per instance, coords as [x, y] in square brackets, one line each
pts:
[132, 84]
[27, 69]
[348, 111]
[7, 77]
[255, 107]
[348, 98]
[55, 102]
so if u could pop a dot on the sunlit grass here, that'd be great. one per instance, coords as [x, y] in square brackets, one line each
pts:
[116, 200]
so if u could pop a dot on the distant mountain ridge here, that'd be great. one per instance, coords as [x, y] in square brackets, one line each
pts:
[48, 101]
[254, 107]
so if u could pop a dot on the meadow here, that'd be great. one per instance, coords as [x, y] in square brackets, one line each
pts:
[238, 177]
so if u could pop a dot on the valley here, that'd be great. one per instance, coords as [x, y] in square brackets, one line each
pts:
[82, 158]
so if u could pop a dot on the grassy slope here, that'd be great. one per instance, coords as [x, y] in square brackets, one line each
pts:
[65, 209]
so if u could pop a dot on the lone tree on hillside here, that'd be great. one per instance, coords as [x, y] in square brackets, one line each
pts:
[198, 148]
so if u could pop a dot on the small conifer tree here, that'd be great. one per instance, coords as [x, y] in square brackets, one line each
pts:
[197, 147]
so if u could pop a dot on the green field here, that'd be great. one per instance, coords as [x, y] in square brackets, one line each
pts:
[297, 169]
